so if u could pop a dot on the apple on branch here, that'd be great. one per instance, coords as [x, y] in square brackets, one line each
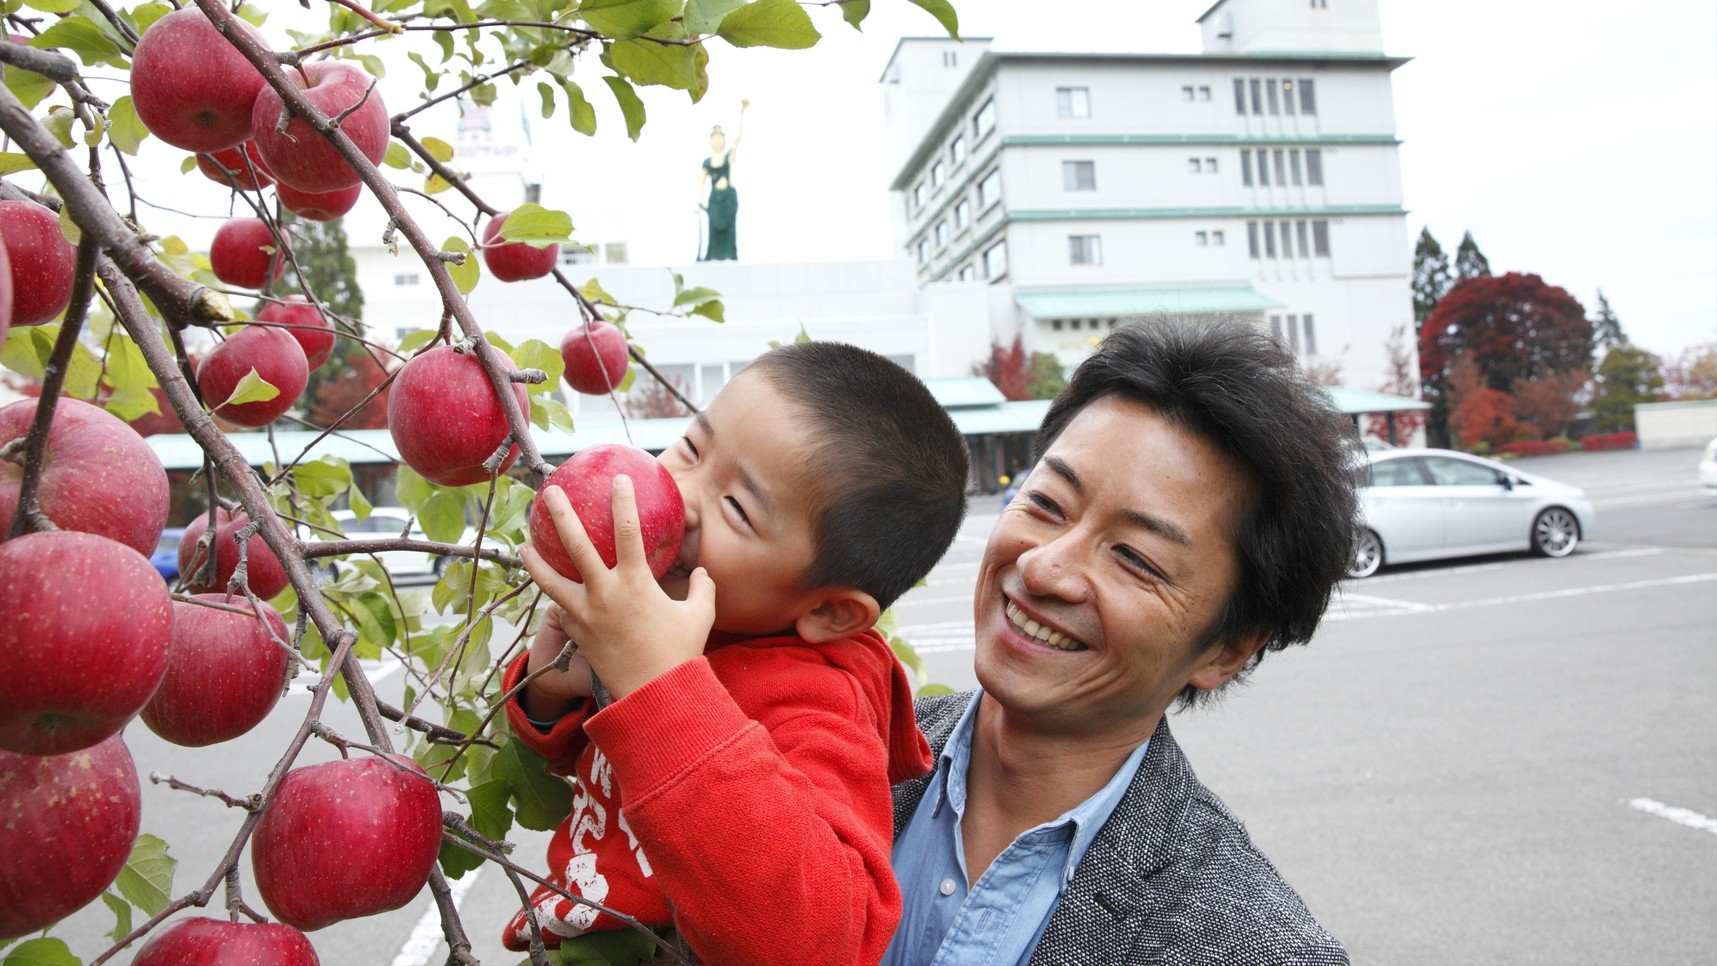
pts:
[596, 358]
[42, 262]
[190, 85]
[445, 418]
[515, 261]
[97, 476]
[5, 290]
[200, 941]
[588, 481]
[229, 167]
[300, 318]
[300, 156]
[274, 356]
[262, 568]
[245, 254]
[319, 205]
[70, 823]
[346, 838]
[84, 623]
[226, 670]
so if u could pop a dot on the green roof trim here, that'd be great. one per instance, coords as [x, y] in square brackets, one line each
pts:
[1089, 303]
[1191, 139]
[1236, 211]
[961, 392]
[1356, 401]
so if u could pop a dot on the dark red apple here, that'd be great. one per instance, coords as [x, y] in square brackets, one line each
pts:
[305, 324]
[245, 254]
[515, 261]
[69, 824]
[275, 355]
[98, 475]
[190, 85]
[595, 356]
[319, 205]
[84, 623]
[228, 167]
[345, 839]
[42, 261]
[162, 421]
[216, 942]
[445, 417]
[588, 480]
[5, 291]
[225, 671]
[300, 156]
[267, 577]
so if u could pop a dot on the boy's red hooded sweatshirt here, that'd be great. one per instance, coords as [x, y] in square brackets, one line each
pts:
[742, 797]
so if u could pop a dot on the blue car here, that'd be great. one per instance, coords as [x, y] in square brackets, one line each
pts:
[165, 559]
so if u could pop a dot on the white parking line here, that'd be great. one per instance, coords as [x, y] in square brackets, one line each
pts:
[1680, 816]
[1407, 607]
[427, 938]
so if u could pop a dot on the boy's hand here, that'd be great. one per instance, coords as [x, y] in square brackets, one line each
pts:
[551, 694]
[629, 630]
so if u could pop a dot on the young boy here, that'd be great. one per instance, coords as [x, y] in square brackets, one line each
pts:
[737, 788]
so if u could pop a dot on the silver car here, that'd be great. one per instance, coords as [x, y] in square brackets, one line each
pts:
[1428, 504]
[1708, 468]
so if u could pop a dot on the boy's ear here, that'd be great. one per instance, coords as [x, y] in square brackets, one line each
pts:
[840, 612]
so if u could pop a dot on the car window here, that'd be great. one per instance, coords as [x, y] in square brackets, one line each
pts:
[1397, 473]
[1449, 472]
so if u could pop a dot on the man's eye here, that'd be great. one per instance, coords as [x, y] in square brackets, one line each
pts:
[1135, 561]
[1042, 502]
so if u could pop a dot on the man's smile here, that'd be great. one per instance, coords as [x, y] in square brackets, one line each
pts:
[1047, 636]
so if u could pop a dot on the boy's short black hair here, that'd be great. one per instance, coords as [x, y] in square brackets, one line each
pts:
[892, 465]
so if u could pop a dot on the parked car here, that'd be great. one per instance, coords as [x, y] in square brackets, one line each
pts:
[1708, 468]
[1013, 486]
[391, 521]
[1427, 504]
[165, 559]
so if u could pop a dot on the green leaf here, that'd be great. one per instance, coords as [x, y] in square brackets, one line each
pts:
[442, 517]
[121, 916]
[704, 16]
[127, 132]
[695, 296]
[129, 378]
[455, 861]
[323, 477]
[944, 13]
[81, 36]
[579, 112]
[42, 952]
[489, 812]
[546, 92]
[625, 19]
[252, 388]
[411, 490]
[537, 354]
[416, 339]
[710, 310]
[147, 879]
[12, 162]
[29, 87]
[537, 226]
[612, 947]
[663, 65]
[59, 123]
[438, 149]
[186, 165]
[630, 106]
[52, 6]
[431, 76]
[770, 23]
[145, 15]
[543, 800]
[466, 276]
[373, 65]
[359, 503]
[854, 12]
[930, 690]
[548, 412]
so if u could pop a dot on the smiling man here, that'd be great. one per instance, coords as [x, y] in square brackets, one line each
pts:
[1191, 511]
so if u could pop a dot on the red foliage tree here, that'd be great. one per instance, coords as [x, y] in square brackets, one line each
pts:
[1548, 405]
[1009, 369]
[341, 390]
[1398, 379]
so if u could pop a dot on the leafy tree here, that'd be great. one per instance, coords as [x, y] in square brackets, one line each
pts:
[1513, 327]
[652, 400]
[1469, 261]
[1693, 374]
[1047, 376]
[1606, 328]
[345, 382]
[1628, 375]
[1399, 379]
[1431, 278]
[325, 267]
[1547, 405]
[1008, 369]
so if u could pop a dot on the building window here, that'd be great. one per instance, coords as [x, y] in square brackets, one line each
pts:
[1300, 230]
[405, 278]
[1314, 166]
[1240, 95]
[984, 119]
[1186, 92]
[919, 193]
[1269, 239]
[1308, 97]
[1201, 238]
[942, 234]
[1218, 238]
[1246, 167]
[1320, 239]
[1287, 242]
[1079, 176]
[938, 174]
[968, 272]
[1276, 327]
[614, 253]
[1263, 168]
[1204, 92]
[923, 251]
[576, 255]
[1270, 94]
[1276, 156]
[1294, 165]
[1056, 324]
[957, 151]
[1084, 250]
[1294, 334]
[996, 260]
[1311, 341]
[962, 215]
[990, 189]
[1072, 102]
[1287, 96]
[1210, 165]
[1320, 4]
[950, 58]
[1252, 239]
[1194, 166]
[1257, 96]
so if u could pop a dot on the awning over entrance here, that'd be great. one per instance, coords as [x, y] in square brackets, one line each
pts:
[1099, 303]
[1356, 401]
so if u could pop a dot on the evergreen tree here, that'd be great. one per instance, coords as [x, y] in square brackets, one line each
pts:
[1431, 278]
[1469, 261]
[331, 275]
[1606, 328]
[1628, 375]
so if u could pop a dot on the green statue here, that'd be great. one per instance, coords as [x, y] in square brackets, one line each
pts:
[723, 204]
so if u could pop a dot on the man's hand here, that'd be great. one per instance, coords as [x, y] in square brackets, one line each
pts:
[629, 630]
[551, 694]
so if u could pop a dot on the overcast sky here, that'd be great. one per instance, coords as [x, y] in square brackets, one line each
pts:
[1575, 139]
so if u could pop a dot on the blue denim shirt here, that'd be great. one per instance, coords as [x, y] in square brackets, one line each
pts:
[999, 921]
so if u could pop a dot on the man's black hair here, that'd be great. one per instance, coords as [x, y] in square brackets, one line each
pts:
[892, 466]
[1232, 384]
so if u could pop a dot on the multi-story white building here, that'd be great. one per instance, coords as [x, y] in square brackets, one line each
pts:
[1260, 178]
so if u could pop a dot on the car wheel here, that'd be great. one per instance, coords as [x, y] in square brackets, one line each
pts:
[1555, 533]
[1367, 554]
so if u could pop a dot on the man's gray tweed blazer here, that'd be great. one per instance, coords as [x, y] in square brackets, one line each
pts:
[1172, 877]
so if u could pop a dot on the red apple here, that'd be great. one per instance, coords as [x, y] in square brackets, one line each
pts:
[588, 480]
[164, 421]
[225, 671]
[319, 206]
[42, 261]
[190, 85]
[515, 261]
[84, 623]
[275, 355]
[70, 823]
[345, 839]
[445, 417]
[98, 475]
[228, 167]
[245, 254]
[595, 356]
[305, 323]
[267, 577]
[300, 156]
[216, 942]
[5, 291]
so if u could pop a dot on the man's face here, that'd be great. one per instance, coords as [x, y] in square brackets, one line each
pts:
[1102, 578]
